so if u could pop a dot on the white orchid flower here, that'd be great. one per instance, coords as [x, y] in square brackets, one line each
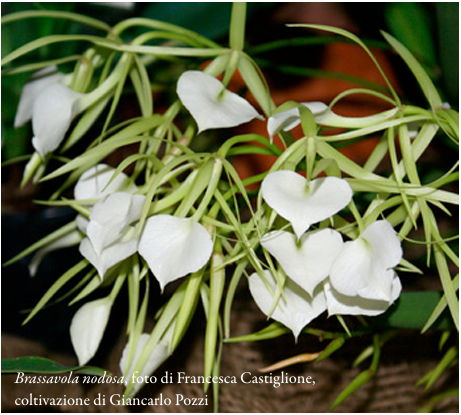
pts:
[51, 105]
[303, 202]
[364, 267]
[41, 79]
[111, 216]
[54, 109]
[88, 326]
[323, 115]
[174, 247]
[211, 104]
[345, 305]
[289, 119]
[159, 355]
[110, 236]
[308, 262]
[94, 183]
[299, 309]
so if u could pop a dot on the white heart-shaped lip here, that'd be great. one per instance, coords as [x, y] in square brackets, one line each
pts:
[303, 202]
[307, 263]
[299, 309]
[174, 247]
[211, 105]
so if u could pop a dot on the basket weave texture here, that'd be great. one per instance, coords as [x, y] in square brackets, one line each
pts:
[405, 359]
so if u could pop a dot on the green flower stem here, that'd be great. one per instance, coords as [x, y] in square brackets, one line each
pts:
[112, 80]
[237, 26]
[355, 39]
[49, 40]
[32, 67]
[135, 334]
[31, 167]
[118, 284]
[256, 83]
[217, 281]
[55, 14]
[231, 67]
[357, 216]
[83, 72]
[211, 189]
[133, 294]
[187, 308]
[310, 157]
[155, 24]
[166, 319]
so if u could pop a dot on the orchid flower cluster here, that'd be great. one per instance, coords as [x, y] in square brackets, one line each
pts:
[171, 216]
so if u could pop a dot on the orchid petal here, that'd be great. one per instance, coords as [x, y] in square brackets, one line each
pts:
[82, 223]
[352, 269]
[93, 184]
[87, 328]
[301, 202]
[54, 109]
[110, 216]
[160, 353]
[323, 115]
[156, 359]
[308, 263]
[174, 247]
[289, 119]
[71, 239]
[387, 250]
[211, 105]
[31, 91]
[298, 311]
[380, 284]
[111, 255]
[331, 119]
[345, 305]
[364, 266]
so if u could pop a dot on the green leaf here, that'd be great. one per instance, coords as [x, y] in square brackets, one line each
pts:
[33, 364]
[438, 310]
[358, 381]
[50, 40]
[420, 74]
[98, 24]
[128, 135]
[270, 332]
[450, 356]
[335, 345]
[412, 310]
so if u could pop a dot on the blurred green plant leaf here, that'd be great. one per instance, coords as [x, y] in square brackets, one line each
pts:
[448, 34]
[411, 24]
[412, 310]
[32, 364]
